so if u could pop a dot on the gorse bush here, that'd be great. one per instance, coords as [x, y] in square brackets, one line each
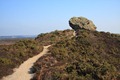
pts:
[5, 61]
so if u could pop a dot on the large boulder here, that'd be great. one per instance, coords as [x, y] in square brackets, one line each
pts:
[77, 23]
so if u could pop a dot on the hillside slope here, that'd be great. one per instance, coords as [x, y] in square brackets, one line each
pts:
[11, 56]
[91, 55]
[53, 37]
[24, 72]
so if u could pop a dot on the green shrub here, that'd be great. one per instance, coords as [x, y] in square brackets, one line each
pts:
[5, 61]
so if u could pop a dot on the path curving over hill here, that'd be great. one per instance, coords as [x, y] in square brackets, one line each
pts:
[23, 72]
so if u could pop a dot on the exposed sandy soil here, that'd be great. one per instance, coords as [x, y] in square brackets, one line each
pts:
[23, 72]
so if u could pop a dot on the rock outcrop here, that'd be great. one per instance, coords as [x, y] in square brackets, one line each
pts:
[77, 23]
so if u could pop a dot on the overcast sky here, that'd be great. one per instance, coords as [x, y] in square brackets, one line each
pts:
[32, 17]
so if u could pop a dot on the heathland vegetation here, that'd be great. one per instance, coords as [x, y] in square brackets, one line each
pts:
[13, 55]
[53, 37]
[91, 55]
[16, 51]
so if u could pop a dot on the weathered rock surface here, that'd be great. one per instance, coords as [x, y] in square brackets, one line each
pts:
[77, 23]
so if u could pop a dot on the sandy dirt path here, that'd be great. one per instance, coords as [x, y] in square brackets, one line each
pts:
[22, 73]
